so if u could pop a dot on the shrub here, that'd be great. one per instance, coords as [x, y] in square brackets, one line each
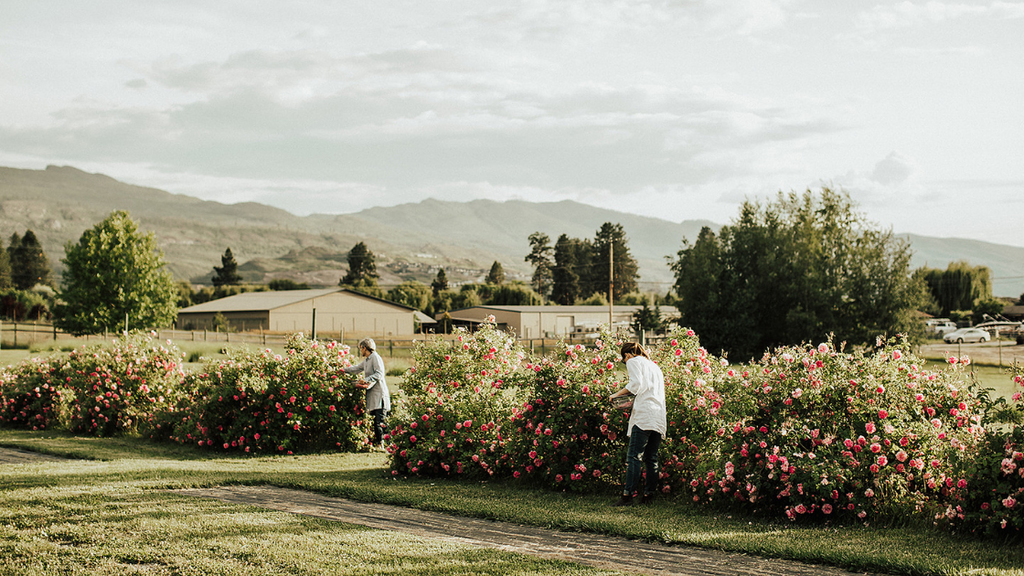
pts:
[117, 389]
[459, 398]
[566, 435]
[265, 402]
[30, 394]
[819, 432]
[992, 498]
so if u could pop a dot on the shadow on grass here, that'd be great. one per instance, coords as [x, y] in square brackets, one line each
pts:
[138, 466]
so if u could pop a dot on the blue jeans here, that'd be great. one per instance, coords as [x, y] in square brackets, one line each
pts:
[643, 452]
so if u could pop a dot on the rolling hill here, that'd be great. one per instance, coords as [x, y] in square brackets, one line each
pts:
[410, 240]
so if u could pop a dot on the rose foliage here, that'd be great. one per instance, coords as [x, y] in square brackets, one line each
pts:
[811, 433]
[264, 402]
[95, 390]
[808, 433]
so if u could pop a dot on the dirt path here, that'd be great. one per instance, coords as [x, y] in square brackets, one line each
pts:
[604, 552]
[17, 456]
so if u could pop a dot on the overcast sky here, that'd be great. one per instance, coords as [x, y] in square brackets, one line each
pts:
[679, 109]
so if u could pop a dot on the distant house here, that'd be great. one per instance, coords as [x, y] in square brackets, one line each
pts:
[549, 321]
[335, 310]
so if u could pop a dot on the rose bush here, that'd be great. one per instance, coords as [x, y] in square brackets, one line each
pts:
[31, 393]
[567, 434]
[118, 388]
[460, 395]
[992, 498]
[823, 433]
[264, 402]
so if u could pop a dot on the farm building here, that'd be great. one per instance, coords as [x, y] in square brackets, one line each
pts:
[334, 310]
[550, 321]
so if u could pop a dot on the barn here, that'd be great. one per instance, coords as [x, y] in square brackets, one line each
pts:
[329, 310]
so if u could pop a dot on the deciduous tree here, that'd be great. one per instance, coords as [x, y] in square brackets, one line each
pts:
[795, 270]
[113, 274]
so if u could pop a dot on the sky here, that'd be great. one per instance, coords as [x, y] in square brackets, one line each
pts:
[678, 109]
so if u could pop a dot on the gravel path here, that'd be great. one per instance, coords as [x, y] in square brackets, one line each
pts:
[604, 552]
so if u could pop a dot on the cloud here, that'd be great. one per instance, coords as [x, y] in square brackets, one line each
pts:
[419, 116]
[915, 14]
[893, 169]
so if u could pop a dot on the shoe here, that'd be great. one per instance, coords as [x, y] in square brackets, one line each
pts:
[624, 501]
[647, 500]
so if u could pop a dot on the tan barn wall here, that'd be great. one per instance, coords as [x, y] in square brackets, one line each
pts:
[343, 312]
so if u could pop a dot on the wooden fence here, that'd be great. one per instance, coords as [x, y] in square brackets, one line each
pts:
[29, 334]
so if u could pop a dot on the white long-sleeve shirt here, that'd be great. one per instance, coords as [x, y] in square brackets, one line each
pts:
[647, 383]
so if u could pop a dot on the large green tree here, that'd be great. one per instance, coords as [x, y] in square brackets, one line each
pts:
[29, 264]
[113, 274]
[227, 273]
[794, 270]
[959, 287]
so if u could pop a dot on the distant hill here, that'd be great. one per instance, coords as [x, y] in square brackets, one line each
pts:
[410, 240]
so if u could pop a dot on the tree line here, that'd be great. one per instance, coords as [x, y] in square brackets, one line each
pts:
[789, 270]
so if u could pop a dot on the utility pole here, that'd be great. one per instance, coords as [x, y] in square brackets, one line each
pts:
[611, 284]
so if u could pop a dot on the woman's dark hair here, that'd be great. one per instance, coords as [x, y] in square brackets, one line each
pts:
[634, 349]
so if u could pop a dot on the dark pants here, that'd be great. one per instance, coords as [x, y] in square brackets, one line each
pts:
[643, 452]
[379, 416]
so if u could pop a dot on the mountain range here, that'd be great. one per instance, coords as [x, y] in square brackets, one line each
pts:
[410, 240]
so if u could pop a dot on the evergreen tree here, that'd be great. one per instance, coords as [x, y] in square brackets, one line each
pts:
[646, 320]
[440, 283]
[227, 273]
[362, 267]
[5, 269]
[610, 244]
[29, 264]
[497, 274]
[540, 258]
[114, 273]
[565, 278]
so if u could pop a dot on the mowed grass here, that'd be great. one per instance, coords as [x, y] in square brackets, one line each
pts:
[113, 515]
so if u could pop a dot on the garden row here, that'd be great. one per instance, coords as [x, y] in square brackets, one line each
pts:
[809, 433]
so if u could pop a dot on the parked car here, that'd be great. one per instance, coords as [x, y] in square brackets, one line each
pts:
[967, 335]
[939, 326]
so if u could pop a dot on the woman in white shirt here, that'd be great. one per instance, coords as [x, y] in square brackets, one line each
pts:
[647, 422]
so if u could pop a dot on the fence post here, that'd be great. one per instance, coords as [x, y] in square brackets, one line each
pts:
[15, 334]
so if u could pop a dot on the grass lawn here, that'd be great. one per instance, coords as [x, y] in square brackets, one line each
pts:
[108, 514]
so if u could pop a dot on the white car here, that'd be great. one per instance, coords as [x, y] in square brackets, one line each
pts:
[966, 335]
